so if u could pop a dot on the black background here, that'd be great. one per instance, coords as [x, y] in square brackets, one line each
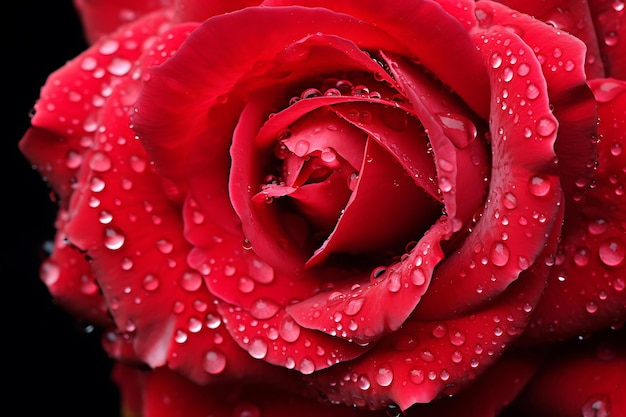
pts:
[52, 367]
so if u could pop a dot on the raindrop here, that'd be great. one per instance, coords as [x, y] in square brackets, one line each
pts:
[289, 330]
[119, 66]
[191, 281]
[457, 338]
[545, 126]
[363, 382]
[307, 366]
[353, 306]
[301, 148]
[611, 252]
[150, 283]
[439, 330]
[261, 272]
[539, 186]
[416, 375]
[257, 348]
[611, 38]
[598, 227]
[458, 128]
[507, 74]
[496, 60]
[597, 405]
[264, 308]
[113, 238]
[384, 376]
[499, 254]
[509, 201]
[523, 69]
[532, 91]
[100, 162]
[214, 362]
[246, 285]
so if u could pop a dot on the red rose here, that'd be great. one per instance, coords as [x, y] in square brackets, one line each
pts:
[333, 207]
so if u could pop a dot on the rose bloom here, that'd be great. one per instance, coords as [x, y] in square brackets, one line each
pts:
[345, 208]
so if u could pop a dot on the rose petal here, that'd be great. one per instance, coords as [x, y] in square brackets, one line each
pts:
[572, 16]
[68, 276]
[421, 360]
[161, 393]
[102, 17]
[589, 375]
[585, 292]
[524, 194]
[412, 27]
[608, 18]
[562, 59]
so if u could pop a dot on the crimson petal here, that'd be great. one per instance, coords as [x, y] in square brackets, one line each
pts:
[422, 360]
[585, 291]
[524, 194]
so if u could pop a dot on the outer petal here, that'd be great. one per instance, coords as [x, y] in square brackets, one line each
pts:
[524, 194]
[609, 17]
[580, 378]
[161, 393]
[586, 289]
[101, 17]
[573, 16]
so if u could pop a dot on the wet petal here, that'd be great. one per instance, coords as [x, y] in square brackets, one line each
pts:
[586, 288]
[524, 193]
[608, 18]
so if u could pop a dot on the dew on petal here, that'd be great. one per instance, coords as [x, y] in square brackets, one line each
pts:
[214, 362]
[611, 252]
[539, 186]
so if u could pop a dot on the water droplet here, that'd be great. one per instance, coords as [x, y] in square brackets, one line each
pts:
[150, 282]
[363, 382]
[191, 281]
[597, 227]
[532, 91]
[545, 126]
[496, 60]
[301, 148]
[353, 306]
[384, 375]
[416, 375]
[119, 66]
[539, 186]
[597, 405]
[611, 252]
[499, 254]
[261, 272]
[457, 338]
[246, 285]
[289, 330]
[100, 162]
[307, 366]
[458, 128]
[611, 38]
[439, 330]
[509, 200]
[257, 348]
[507, 74]
[264, 308]
[214, 362]
[113, 238]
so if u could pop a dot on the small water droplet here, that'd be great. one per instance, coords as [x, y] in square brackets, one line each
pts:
[509, 200]
[191, 281]
[458, 128]
[416, 375]
[384, 375]
[612, 252]
[611, 38]
[113, 238]
[496, 60]
[597, 405]
[532, 91]
[289, 330]
[264, 308]
[150, 282]
[545, 126]
[539, 186]
[499, 254]
[214, 362]
[257, 348]
[507, 74]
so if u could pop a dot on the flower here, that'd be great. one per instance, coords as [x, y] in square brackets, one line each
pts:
[329, 207]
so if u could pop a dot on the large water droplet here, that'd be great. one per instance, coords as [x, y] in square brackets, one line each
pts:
[458, 128]
[289, 330]
[499, 254]
[113, 238]
[597, 405]
[612, 252]
[214, 362]
[545, 126]
[384, 375]
[264, 308]
[257, 348]
[539, 186]
[191, 281]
